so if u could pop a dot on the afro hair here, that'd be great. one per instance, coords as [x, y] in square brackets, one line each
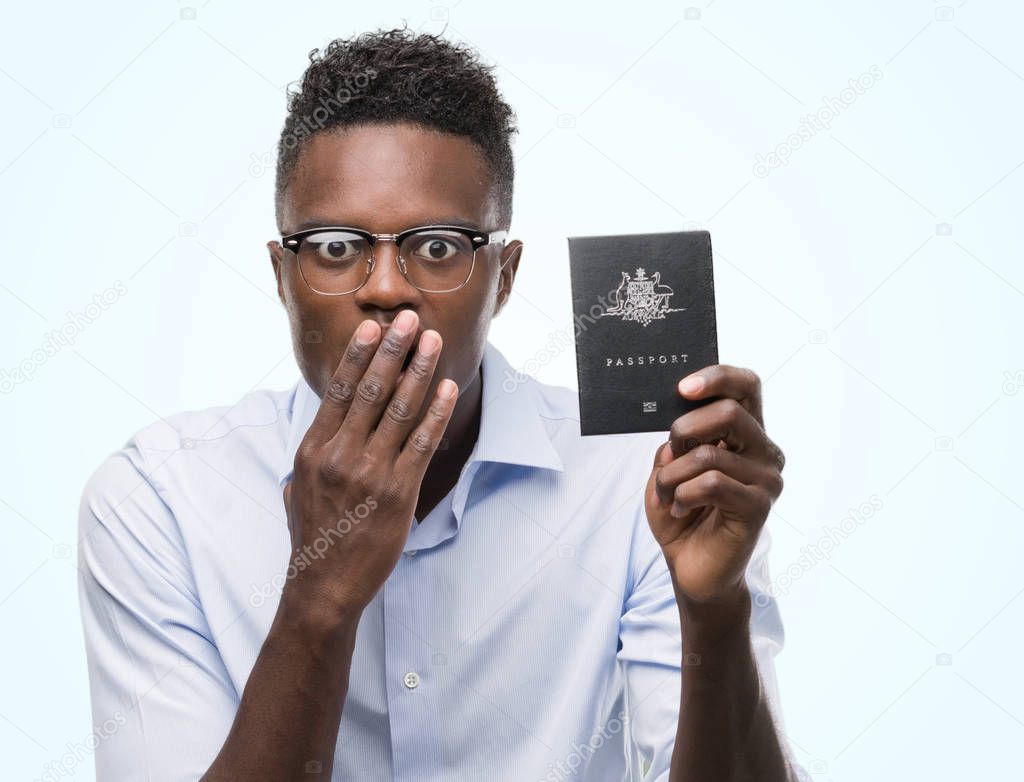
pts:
[391, 76]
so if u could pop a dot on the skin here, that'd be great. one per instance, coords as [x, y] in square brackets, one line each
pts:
[386, 179]
[709, 493]
[394, 442]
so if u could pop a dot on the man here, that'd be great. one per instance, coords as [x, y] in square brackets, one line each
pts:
[411, 566]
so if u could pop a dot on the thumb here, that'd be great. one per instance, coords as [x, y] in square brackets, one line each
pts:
[661, 457]
[287, 494]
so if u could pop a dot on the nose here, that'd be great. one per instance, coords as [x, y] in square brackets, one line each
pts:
[387, 288]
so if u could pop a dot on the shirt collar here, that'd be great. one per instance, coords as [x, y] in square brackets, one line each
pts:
[511, 428]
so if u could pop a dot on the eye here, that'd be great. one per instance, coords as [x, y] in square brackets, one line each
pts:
[337, 250]
[336, 247]
[437, 247]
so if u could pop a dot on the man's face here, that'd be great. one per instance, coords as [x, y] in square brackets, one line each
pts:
[385, 179]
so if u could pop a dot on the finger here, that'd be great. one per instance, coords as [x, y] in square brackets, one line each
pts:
[374, 389]
[403, 411]
[723, 419]
[730, 496]
[704, 458]
[341, 388]
[726, 381]
[292, 532]
[419, 448]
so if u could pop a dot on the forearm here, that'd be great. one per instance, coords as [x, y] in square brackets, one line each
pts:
[286, 727]
[725, 731]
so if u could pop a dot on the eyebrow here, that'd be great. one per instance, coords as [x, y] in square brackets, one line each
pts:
[319, 222]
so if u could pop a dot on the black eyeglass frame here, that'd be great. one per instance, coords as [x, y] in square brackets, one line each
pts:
[293, 242]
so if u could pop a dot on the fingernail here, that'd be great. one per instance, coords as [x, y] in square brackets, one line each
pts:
[364, 334]
[446, 389]
[405, 321]
[665, 454]
[691, 385]
[429, 342]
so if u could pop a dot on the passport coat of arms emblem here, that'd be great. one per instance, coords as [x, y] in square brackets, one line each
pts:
[641, 298]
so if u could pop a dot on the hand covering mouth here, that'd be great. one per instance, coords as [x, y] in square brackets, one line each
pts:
[408, 358]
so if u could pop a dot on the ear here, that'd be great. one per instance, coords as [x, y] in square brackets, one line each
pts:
[507, 273]
[276, 258]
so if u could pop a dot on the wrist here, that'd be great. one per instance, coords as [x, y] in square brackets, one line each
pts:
[731, 609]
[317, 617]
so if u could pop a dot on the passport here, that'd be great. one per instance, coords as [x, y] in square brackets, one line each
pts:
[643, 318]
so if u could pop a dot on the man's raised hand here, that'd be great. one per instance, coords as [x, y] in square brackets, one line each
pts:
[358, 469]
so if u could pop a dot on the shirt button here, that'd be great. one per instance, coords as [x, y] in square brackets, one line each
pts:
[412, 680]
[411, 553]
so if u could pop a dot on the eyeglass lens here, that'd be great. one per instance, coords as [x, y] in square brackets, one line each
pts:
[338, 261]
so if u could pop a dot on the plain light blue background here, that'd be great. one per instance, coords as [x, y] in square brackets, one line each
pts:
[874, 281]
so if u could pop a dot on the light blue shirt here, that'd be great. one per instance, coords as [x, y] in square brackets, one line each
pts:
[529, 632]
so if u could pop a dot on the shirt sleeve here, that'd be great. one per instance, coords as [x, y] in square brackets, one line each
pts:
[162, 700]
[650, 648]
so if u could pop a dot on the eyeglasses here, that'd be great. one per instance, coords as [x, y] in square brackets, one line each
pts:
[336, 260]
